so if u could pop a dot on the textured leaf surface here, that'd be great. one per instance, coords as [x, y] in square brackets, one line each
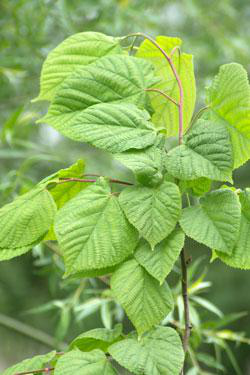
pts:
[80, 363]
[144, 300]
[38, 362]
[215, 222]
[95, 272]
[153, 211]
[229, 102]
[206, 152]
[161, 261]
[9, 253]
[76, 51]
[111, 79]
[98, 338]
[63, 192]
[146, 164]
[198, 187]
[159, 352]
[166, 113]
[25, 221]
[113, 127]
[92, 230]
[240, 256]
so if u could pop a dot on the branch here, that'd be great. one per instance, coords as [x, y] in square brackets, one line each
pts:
[46, 370]
[197, 115]
[163, 94]
[171, 64]
[176, 48]
[184, 283]
[180, 136]
[63, 180]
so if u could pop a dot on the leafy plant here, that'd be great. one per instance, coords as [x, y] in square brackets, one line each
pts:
[137, 103]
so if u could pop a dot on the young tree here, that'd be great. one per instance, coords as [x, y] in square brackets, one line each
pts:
[137, 103]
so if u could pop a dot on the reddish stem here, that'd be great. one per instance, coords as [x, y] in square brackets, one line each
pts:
[169, 60]
[46, 370]
[163, 94]
[74, 179]
[183, 255]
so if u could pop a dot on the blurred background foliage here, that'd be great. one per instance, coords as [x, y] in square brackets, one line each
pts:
[32, 291]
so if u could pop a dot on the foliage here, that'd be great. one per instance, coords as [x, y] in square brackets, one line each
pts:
[102, 97]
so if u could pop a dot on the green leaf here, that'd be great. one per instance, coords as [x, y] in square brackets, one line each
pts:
[240, 256]
[25, 221]
[79, 50]
[95, 272]
[158, 352]
[92, 230]
[161, 261]
[98, 338]
[206, 152]
[215, 222]
[144, 300]
[166, 114]
[111, 79]
[229, 101]
[146, 164]
[63, 192]
[77, 362]
[153, 211]
[36, 363]
[198, 187]
[112, 127]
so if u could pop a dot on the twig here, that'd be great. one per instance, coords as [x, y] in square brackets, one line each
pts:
[176, 48]
[185, 300]
[197, 115]
[171, 64]
[46, 370]
[164, 94]
[180, 137]
[73, 179]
